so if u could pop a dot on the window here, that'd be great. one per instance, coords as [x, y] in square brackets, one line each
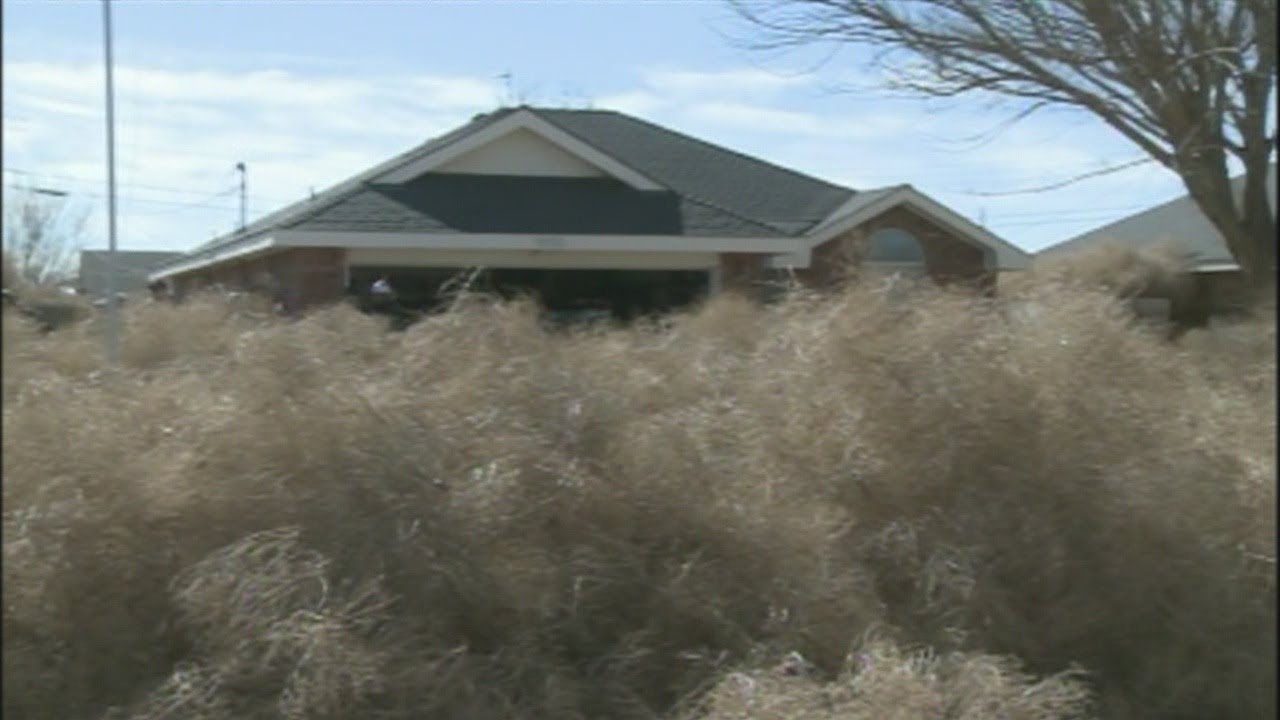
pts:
[896, 251]
[892, 245]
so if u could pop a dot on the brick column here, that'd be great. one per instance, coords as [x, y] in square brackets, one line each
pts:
[739, 272]
[310, 276]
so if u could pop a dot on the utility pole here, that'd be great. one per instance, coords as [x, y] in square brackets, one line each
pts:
[113, 303]
[243, 210]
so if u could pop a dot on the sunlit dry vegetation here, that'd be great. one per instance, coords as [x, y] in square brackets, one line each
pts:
[857, 506]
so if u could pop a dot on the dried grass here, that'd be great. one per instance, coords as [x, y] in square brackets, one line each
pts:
[476, 518]
[885, 683]
[1117, 268]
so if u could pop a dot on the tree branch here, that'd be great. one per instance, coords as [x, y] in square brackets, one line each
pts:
[1064, 183]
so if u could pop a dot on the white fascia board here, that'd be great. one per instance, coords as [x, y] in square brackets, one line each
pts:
[218, 257]
[848, 206]
[1000, 254]
[559, 259]
[1216, 267]
[790, 261]
[544, 242]
[520, 120]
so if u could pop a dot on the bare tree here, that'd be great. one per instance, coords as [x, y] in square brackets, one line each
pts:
[41, 236]
[1190, 82]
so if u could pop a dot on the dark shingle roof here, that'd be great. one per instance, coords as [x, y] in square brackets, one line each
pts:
[510, 204]
[132, 267]
[340, 192]
[711, 191]
[737, 183]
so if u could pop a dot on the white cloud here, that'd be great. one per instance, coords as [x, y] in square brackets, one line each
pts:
[456, 93]
[21, 135]
[757, 119]
[733, 81]
[667, 89]
[635, 102]
[180, 132]
[58, 107]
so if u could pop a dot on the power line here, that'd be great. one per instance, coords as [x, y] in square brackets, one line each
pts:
[76, 178]
[1058, 221]
[154, 188]
[1069, 181]
[148, 201]
[303, 145]
[927, 167]
[1049, 214]
[205, 204]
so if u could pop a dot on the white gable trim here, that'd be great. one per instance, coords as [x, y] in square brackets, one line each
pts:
[520, 120]
[1000, 255]
[848, 206]
[543, 241]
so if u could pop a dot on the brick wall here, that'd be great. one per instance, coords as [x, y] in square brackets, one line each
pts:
[298, 277]
[948, 259]
[309, 276]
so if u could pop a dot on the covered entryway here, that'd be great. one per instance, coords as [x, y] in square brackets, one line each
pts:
[566, 293]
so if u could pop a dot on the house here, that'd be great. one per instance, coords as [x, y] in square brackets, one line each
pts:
[586, 208]
[1217, 286]
[132, 268]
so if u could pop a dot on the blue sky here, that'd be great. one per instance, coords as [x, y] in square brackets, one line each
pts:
[308, 92]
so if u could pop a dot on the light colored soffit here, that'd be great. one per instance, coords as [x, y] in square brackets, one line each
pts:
[532, 241]
[410, 257]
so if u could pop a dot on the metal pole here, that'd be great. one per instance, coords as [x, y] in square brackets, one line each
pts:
[243, 172]
[113, 309]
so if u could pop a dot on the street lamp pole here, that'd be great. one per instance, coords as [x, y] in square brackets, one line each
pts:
[113, 305]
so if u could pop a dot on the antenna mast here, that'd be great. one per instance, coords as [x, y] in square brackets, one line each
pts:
[243, 208]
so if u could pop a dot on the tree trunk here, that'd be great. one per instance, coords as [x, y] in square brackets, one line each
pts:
[1260, 225]
[1248, 227]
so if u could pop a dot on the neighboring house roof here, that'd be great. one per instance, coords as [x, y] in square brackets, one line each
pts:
[1179, 222]
[131, 269]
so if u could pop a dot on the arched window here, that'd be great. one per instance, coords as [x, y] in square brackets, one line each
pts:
[892, 246]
